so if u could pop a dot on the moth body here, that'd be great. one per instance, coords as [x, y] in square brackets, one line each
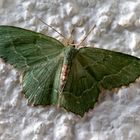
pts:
[68, 56]
[63, 75]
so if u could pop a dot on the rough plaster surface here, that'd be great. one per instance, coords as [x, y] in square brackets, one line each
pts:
[117, 116]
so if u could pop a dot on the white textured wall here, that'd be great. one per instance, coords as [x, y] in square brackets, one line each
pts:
[117, 116]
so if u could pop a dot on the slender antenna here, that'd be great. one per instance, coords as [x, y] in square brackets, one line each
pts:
[51, 27]
[86, 35]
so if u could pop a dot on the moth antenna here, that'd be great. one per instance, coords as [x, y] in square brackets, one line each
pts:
[71, 37]
[86, 36]
[51, 28]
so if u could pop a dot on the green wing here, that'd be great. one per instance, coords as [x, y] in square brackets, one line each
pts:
[23, 48]
[39, 56]
[41, 82]
[93, 70]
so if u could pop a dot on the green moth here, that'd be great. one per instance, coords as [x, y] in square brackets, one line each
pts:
[63, 75]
